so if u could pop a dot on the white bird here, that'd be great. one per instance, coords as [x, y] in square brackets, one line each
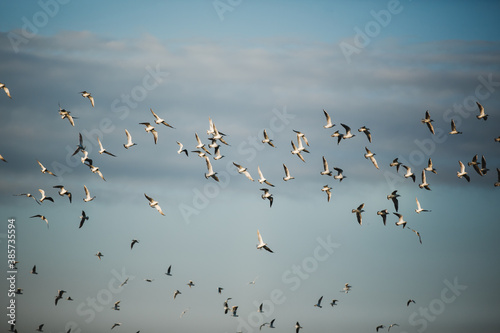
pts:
[102, 150]
[255, 279]
[29, 195]
[383, 213]
[329, 123]
[394, 197]
[267, 195]
[408, 173]
[158, 120]
[177, 292]
[217, 154]
[267, 140]
[454, 128]
[67, 114]
[44, 197]
[87, 195]
[3, 159]
[418, 234]
[302, 135]
[419, 208]
[475, 164]
[287, 174]
[150, 129]
[79, 146]
[295, 151]
[262, 179]
[5, 89]
[200, 153]
[129, 140]
[44, 169]
[462, 172]
[339, 174]
[154, 204]
[358, 212]
[297, 327]
[181, 149]
[63, 191]
[326, 171]
[348, 133]
[244, 171]
[481, 115]
[395, 163]
[428, 121]
[371, 156]
[300, 146]
[261, 244]
[43, 219]
[83, 218]
[219, 136]
[89, 96]
[85, 157]
[319, 302]
[400, 221]
[430, 167]
[327, 190]
[424, 183]
[95, 169]
[367, 133]
[200, 144]
[211, 172]
[391, 326]
[338, 136]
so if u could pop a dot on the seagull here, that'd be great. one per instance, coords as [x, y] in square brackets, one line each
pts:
[319, 302]
[3, 159]
[430, 167]
[149, 128]
[83, 218]
[481, 115]
[177, 292]
[367, 133]
[149, 280]
[219, 136]
[59, 296]
[371, 155]
[43, 218]
[408, 173]
[262, 179]
[116, 306]
[358, 212]
[384, 214]
[498, 176]
[69, 298]
[124, 282]
[102, 150]
[264, 324]
[184, 312]
[44, 169]
[213, 143]
[134, 241]
[484, 170]
[201, 145]
[303, 136]
[400, 221]
[217, 156]
[475, 164]
[418, 234]
[234, 308]
[43, 198]
[391, 326]
[19, 291]
[219, 290]
[261, 307]
[295, 151]
[66, 114]
[158, 120]
[243, 170]
[328, 192]
[424, 183]
[116, 324]
[181, 149]
[348, 133]
[63, 191]
[5, 89]
[96, 170]
[326, 171]
[200, 153]
[271, 324]
[334, 302]
[301, 147]
[394, 197]
[262, 245]
[454, 128]
[154, 204]
[462, 172]
[33, 270]
[190, 284]
[99, 255]
[85, 157]
[339, 174]
[410, 301]
[497, 139]
[329, 123]
[40, 328]
[87, 195]
[79, 146]
[379, 327]
[169, 269]
[87, 95]
[29, 195]
[395, 163]
[338, 136]
[419, 208]
[267, 140]
[226, 306]
[129, 141]
[297, 327]
[267, 195]
[427, 120]
[287, 174]
[211, 172]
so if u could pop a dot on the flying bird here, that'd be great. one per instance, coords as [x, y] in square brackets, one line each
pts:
[418, 234]
[234, 308]
[79, 146]
[33, 270]
[201, 145]
[44, 197]
[296, 151]
[339, 174]
[484, 169]
[329, 123]
[89, 96]
[424, 183]
[428, 121]
[287, 174]
[462, 172]
[391, 326]
[337, 135]
[371, 156]
[154, 204]
[410, 301]
[419, 208]
[263, 179]
[334, 302]
[115, 325]
[184, 312]
[67, 114]
[43, 218]
[475, 164]
[181, 149]
[3, 159]
[267, 140]
[59, 296]
[63, 191]
[102, 149]
[408, 173]
[244, 171]
[430, 167]
[302, 136]
[99, 255]
[267, 195]
[454, 128]
[129, 141]
[319, 303]
[367, 133]
[95, 169]
[395, 163]
[134, 241]
[190, 284]
[40, 328]
[28, 195]
[87, 195]
[327, 189]
[169, 271]
[45, 170]
[150, 129]
[83, 218]
[159, 120]
[379, 327]
[498, 178]
[5, 89]
[116, 306]
[211, 172]
[400, 221]
[261, 307]
[348, 133]
[217, 154]
[124, 282]
[358, 212]
[177, 292]
[261, 244]
[297, 327]
[384, 214]
[326, 171]
[481, 115]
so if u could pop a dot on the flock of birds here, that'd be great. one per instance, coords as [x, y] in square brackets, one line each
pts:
[299, 148]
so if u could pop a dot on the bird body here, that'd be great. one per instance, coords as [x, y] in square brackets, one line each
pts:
[261, 244]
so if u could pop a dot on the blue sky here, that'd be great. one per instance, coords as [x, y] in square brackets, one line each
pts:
[257, 65]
